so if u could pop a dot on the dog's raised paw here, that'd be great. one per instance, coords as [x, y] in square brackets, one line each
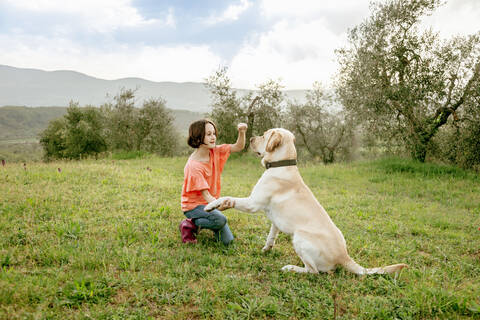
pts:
[212, 205]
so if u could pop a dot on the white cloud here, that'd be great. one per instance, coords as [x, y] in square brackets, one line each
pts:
[300, 46]
[297, 53]
[459, 17]
[99, 16]
[157, 63]
[338, 14]
[306, 8]
[232, 13]
[170, 19]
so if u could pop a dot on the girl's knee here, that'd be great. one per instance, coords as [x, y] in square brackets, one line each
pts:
[220, 219]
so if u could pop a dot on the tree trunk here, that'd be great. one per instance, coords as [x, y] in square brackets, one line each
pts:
[419, 152]
[250, 122]
[420, 142]
[328, 155]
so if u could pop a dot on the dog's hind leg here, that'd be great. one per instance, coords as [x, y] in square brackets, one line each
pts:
[306, 251]
[272, 235]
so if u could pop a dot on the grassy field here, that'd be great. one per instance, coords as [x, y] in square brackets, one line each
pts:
[100, 240]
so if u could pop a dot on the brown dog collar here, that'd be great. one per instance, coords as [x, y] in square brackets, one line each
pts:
[282, 163]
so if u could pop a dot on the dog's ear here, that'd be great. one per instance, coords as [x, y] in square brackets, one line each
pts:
[274, 141]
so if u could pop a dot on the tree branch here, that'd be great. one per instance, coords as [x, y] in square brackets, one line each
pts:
[313, 153]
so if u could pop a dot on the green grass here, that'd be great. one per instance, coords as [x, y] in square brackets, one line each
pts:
[100, 240]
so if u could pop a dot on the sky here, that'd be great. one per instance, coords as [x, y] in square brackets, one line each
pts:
[289, 41]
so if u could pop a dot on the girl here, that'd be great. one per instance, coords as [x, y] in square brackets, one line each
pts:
[202, 180]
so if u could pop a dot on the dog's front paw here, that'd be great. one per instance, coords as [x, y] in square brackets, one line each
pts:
[213, 205]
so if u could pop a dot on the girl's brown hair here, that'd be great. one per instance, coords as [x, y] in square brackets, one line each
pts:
[196, 132]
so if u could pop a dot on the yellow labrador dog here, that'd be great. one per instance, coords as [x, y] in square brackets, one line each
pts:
[293, 209]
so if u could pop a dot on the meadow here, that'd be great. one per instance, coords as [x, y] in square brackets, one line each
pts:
[99, 239]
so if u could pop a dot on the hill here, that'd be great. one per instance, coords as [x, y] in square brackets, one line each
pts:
[34, 88]
[25, 123]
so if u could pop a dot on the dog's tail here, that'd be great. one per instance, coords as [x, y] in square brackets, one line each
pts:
[354, 267]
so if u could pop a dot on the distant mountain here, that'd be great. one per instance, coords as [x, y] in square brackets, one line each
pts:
[32, 88]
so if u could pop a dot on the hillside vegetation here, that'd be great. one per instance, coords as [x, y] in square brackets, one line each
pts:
[23, 123]
[100, 239]
[20, 127]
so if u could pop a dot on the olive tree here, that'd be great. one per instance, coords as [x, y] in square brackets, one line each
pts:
[121, 121]
[260, 109]
[155, 130]
[145, 128]
[227, 108]
[320, 126]
[117, 126]
[402, 81]
[78, 134]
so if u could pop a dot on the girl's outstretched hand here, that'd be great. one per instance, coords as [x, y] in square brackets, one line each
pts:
[242, 127]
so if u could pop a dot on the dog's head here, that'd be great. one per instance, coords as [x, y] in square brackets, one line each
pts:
[275, 145]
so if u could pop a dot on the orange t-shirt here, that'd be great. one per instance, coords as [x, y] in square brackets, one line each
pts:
[199, 176]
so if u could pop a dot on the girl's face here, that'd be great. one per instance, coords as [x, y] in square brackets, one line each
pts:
[210, 137]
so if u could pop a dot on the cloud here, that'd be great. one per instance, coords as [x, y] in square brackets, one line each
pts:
[308, 8]
[459, 17]
[338, 15]
[297, 53]
[97, 16]
[300, 46]
[232, 13]
[157, 63]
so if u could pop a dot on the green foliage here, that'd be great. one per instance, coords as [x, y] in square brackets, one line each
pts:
[468, 155]
[227, 110]
[117, 126]
[404, 84]
[458, 143]
[157, 133]
[266, 113]
[149, 128]
[53, 139]
[83, 132]
[324, 132]
[78, 134]
[261, 112]
[100, 239]
[121, 122]
[20, 129]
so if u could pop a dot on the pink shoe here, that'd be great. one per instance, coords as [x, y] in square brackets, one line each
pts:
[188, 230]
